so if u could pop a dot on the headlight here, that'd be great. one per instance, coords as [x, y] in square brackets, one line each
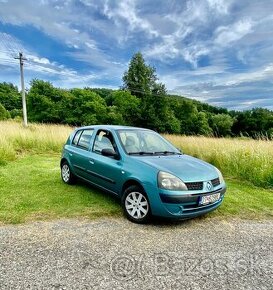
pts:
[221, 178]
[170, 182]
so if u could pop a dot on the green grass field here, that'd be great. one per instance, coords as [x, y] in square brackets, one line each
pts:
[31, 187]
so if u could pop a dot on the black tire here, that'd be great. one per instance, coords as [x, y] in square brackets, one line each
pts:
[67, 176]
[136, 205]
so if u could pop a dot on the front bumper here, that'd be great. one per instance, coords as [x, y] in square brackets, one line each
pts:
[174, 205]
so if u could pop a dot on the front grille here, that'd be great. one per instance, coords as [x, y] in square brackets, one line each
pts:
[215, 182]
[194, 185]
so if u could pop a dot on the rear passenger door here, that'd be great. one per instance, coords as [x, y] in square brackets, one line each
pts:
[80, 151]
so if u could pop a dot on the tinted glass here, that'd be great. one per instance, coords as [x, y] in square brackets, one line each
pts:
[104, 140]
[76, 137]
[85, 138]
[135, 141]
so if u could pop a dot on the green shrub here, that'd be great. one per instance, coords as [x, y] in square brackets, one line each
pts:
[4, 114]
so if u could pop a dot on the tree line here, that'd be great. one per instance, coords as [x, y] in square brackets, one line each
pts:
[142, 101]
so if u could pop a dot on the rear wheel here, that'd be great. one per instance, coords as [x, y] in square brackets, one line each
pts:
[136, 204]
[67, 176]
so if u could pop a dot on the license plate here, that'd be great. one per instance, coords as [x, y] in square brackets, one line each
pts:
[209, 198]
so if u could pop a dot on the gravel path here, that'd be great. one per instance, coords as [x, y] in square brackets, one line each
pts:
[117, 254]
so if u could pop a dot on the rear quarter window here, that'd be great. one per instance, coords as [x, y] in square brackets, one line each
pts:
[76, 138]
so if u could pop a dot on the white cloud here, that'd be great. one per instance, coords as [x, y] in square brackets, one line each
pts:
[188, 22]
[264, 73]
[126, 10]
[167, 47]
[228, 34]
[236, 90]
[204, 49]
[36, 66]
[38, 60]
[221, 6]
[56, 24]
[192, 55]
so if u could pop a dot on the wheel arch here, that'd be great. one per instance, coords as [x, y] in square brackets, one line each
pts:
[63, 160]
[131, 182]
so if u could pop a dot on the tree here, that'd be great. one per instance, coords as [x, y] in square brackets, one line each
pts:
[84, 107]
[140, 78]
[76, 107]
[43, 102]
[9, 96]
[142, 102]
[114, 117]
[4, 114]
[102, 92]
[202, 125]
[187, 113]
[141, 81]
[255, 123]
[127, 105]
[221, 124]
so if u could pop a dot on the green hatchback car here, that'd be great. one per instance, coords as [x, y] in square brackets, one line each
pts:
[149, 175]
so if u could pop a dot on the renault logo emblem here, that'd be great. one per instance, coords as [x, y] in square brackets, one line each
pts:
[209, 185]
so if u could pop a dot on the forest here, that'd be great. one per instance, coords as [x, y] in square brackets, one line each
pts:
[141, 101]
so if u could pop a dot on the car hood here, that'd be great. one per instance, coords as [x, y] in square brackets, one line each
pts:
[185, 167]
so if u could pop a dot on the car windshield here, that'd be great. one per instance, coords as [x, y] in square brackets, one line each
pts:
[145, 142]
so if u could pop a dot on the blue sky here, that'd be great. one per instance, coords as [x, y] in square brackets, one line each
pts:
[217, 51]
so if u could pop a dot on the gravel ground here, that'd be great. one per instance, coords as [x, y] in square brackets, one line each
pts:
[117, 254]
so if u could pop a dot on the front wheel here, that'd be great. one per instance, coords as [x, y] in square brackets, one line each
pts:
[136, 205]
[67, 176]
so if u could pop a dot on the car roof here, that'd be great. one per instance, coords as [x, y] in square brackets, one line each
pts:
[112, 127]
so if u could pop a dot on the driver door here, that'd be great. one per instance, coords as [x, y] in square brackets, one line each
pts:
[105, 171]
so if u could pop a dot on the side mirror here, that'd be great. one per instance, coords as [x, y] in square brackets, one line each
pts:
[109, 153]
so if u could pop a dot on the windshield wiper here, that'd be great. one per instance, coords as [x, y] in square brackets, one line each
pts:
[141, 153]
[168, 152]
[154, 153]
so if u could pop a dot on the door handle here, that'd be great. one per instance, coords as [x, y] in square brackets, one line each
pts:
[70, 154]
[91, 161]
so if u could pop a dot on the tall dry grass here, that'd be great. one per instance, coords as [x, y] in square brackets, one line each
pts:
[242, 158]
[38, 138]
[245, 159]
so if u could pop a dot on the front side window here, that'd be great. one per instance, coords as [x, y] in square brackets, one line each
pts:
[85, 138]
[104, 140]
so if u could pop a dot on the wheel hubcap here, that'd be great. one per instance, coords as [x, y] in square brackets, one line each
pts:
[136, 205]
[65, 173]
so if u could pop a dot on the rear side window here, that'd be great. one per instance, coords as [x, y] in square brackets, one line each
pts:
[85, 138]
[76, 137]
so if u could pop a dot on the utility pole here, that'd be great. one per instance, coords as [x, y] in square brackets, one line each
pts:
[21, 61]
